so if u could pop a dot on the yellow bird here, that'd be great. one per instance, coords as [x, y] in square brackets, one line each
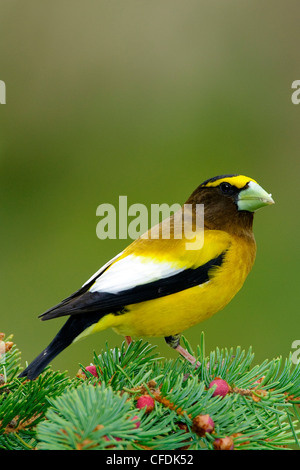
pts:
[159, 286]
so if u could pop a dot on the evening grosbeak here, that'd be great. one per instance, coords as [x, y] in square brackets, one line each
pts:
[158, 287]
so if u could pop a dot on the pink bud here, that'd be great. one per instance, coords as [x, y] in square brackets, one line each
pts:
[92, 370]
[222, 387]
[224, 443]
[145, 401]
[137, 422]
[203, 424]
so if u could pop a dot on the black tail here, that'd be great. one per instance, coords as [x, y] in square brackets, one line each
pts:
[66, 335]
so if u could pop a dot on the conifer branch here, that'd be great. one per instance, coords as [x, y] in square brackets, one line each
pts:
[130, 398]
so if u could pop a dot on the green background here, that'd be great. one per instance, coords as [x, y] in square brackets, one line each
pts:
[145, 99]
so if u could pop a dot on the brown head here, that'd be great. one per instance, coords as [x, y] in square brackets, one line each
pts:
[229, 202]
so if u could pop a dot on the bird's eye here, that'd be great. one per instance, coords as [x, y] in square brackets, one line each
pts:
[225, 187]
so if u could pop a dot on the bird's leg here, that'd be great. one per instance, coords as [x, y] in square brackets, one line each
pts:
[174, 342]
[128, 340]
[187, 355]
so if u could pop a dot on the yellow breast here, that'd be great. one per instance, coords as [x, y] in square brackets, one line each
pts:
[177, 312]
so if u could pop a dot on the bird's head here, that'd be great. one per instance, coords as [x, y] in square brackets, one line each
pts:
[230, 199]
[244, 192]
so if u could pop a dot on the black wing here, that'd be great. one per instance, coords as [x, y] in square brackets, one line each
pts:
[84, 301]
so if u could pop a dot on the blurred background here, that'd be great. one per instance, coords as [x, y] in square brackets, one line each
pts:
[145, 99]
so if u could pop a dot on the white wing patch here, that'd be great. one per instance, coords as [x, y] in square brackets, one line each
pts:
[94, 276]
[130, 272]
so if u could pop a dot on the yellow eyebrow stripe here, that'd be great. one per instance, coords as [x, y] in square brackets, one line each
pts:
[238, 181]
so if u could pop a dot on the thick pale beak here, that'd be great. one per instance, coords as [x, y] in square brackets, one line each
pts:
[253, 197]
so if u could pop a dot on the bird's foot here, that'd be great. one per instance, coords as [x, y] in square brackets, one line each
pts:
[128, 340]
